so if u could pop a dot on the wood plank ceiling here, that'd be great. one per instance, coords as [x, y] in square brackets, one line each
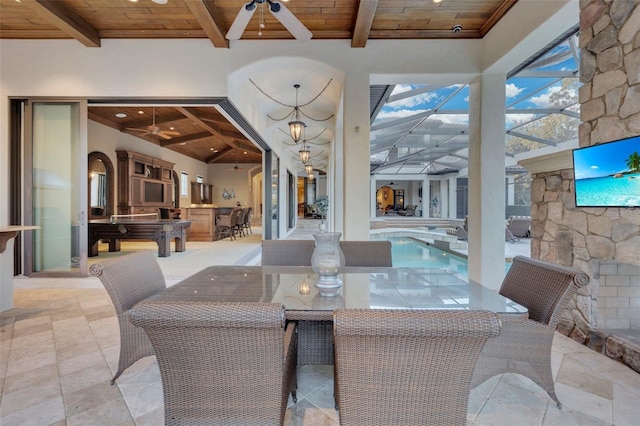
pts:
[204, 133]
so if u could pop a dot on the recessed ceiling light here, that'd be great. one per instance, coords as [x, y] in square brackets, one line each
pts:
[121, 115]
[171, 128]
[215, 150]
[183, 143]
[210, 149]
[140, 112]
[245, 153]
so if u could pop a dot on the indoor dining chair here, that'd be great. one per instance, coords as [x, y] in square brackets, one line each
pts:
[524, 346]
[128, 280]
[221, 363]
[402, 367]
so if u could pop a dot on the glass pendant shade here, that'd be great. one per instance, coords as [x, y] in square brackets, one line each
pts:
[311, 176]
[308, 168]
[305, 154]
[296, 128]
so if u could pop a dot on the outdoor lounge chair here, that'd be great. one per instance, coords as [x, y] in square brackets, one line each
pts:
[519, 226]
[524, 347]
[128, 280]
[407, 367]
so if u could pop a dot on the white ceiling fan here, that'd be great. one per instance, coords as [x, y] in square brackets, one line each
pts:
[277, 9]
[155, 130]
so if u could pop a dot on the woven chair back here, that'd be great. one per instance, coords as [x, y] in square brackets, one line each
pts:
[544, 288]
[407, 367]
[220, 363]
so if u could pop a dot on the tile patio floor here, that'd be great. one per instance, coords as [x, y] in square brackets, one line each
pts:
[59, 348]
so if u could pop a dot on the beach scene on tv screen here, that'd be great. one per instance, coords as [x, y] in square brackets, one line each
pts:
[608, 174]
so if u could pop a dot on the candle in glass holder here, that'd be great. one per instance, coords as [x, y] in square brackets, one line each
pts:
[328, 266]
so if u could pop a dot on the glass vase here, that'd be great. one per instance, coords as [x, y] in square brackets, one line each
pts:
[326, 261]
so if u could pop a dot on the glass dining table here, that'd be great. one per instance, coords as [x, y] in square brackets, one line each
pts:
[363, 288]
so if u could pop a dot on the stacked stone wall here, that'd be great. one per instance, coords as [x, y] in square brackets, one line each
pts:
[585, 237]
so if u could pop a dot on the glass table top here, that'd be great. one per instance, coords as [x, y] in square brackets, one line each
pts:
[365, 288]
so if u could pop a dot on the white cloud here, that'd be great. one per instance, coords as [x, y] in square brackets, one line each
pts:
[512, 90]
[399, 113]
[401, 88]
[543, 101]
[454, 118]
[413, 100]
[595, 167]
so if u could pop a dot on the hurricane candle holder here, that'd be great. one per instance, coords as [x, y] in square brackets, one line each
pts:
[326, 261]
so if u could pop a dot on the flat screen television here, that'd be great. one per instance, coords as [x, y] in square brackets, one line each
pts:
[153, 192]
[608, 174]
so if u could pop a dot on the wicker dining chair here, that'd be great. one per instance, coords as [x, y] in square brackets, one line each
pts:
[315, 341]
[287, 252]
[366, 253]
[247, 221]
[226, 225]
[221, 363]
[524, 346]
[240, 221]
[129, 279]
[406, 367]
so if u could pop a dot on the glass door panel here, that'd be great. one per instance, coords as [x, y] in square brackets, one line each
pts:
[56, 174]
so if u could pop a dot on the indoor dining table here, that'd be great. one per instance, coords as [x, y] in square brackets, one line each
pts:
[363, 287]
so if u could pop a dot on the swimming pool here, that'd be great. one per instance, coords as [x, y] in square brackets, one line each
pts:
[407, 252]
[411, 253]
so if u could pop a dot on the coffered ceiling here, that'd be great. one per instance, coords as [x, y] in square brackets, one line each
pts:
[90, 21]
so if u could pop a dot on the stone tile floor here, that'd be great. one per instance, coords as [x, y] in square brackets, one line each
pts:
[59, 348]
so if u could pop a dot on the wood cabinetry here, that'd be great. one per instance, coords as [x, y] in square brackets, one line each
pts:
[203, 222]
[201, 193]
[145, 183]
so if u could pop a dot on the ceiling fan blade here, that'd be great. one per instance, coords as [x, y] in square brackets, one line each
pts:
[163, 135]
[291, 23]
[138, 130]
[240, 23]
[170, 132]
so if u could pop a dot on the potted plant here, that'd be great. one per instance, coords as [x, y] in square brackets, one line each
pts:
[322, 202]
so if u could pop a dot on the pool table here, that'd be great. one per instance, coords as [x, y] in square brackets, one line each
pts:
[162, 231]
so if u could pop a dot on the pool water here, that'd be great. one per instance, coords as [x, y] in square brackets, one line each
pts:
[407, 252]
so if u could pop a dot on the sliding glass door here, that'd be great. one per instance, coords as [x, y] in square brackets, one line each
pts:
[55, 182]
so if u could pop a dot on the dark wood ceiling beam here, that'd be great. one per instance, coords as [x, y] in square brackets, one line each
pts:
[185, 138]
[148, 120]
[364, 20]
[219, 155]
[215, 132]
[204, 125]
[210, 19]
[66, 20]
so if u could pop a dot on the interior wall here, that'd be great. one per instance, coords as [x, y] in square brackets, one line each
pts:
[239, 180]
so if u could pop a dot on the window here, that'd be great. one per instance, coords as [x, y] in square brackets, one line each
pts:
[200, 179]
[184, 184]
